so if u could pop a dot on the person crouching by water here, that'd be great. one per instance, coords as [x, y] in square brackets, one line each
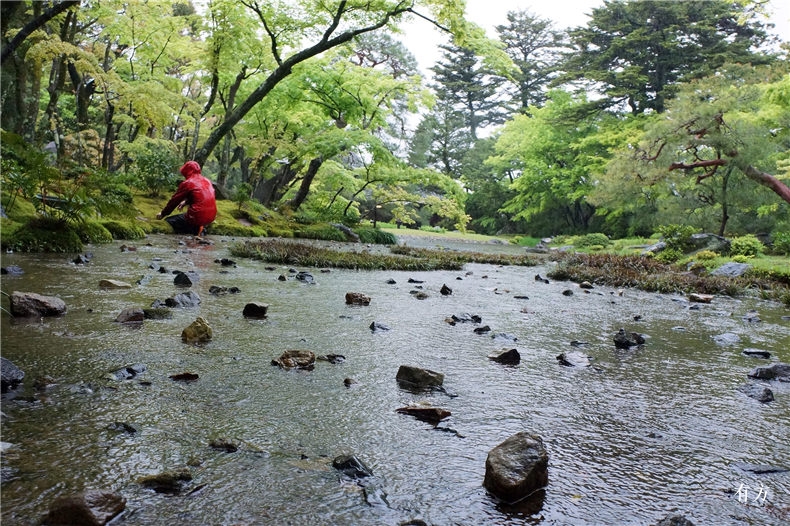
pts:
[197, 193]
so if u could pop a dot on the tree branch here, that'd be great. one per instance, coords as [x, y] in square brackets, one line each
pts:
[34, 24]
[697, 164]
[769, 181]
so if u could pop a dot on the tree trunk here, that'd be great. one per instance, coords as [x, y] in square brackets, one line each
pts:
[304, 188]
[725, 216]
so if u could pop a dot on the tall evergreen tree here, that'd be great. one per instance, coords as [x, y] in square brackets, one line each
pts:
[636, 52]
[469, 87]
[535, 47]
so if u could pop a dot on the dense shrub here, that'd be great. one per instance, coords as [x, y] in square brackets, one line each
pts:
[677, 237]
[705, 255]
[669, 255]
[590, 240]
[781, 243]
[747, 245]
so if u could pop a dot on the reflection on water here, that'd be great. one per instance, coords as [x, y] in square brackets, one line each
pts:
[641, 434]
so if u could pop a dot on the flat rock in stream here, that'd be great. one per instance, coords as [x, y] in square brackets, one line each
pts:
[506, 357]
[775, 371]
[357, 298]
[351, 466]
[90, 508]
[112, 284]
[425, 413]
[758, 392]
[30, 304]
[726, 338]
[626, 340]
[573, 359]
[183, 300]
[757, 353]
[130, 315]
[11, 375]
[296, 359]
[416, 377]
[760, 469]
[170, 482]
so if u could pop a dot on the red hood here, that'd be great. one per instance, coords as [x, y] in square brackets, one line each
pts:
[189, 169]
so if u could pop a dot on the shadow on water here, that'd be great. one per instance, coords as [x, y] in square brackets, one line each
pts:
[639, 434]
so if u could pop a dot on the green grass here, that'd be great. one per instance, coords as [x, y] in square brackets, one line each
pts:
[457, 236]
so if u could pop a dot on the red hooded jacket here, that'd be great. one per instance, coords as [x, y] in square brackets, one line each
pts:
[198, 192]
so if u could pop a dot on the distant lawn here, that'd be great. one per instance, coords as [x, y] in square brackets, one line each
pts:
[454, 235]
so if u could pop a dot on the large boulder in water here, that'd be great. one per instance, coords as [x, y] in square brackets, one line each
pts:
[255, 310]
[198, 331]
[91, 508]
[416, 377]
[29, 304]
[357, 298]
[11, 375]
[517, 467]
[184, 300]
[131, 315]
[775, 371]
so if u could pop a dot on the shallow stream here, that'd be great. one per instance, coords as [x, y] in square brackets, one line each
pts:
[641, 434]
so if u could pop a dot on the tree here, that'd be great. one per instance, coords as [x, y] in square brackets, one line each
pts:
[636, 52]
[465, 85]
[719, 131]
[534, 45]
[554, 158]
[327, 25]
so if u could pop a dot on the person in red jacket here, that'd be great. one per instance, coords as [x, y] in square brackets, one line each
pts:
[197, 193]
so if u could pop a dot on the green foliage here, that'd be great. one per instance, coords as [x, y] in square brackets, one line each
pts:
[781, 243]
[25, 170]
[589, 240]
[637, 52]
[706, 255]
[740, 258]
[324, 232]
[640, 272]
[376, 236]
[677, 237]
[669, 255]
[156, 165]
[747, 245]
[242, 194]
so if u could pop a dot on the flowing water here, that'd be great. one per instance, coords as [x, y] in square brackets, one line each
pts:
[639, 435]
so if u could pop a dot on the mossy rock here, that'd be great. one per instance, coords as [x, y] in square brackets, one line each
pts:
[124, 230]
[44, 235]
[93, 232]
